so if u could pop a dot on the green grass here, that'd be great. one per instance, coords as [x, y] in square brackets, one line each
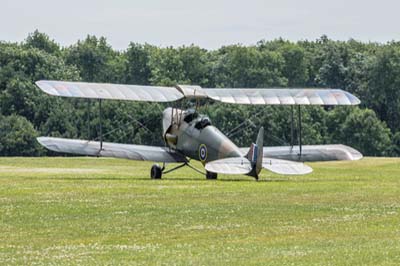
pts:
[93, 211]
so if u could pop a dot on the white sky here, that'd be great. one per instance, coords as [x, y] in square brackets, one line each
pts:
[207, 23]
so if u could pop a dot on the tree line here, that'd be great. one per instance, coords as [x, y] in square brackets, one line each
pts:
[371, 71]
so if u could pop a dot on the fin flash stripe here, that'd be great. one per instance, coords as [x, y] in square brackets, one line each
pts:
[254, 154]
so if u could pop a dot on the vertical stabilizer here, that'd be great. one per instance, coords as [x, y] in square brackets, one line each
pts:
[255, 154]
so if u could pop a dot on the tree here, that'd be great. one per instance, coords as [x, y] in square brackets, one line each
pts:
[196, 65]
[95, 59]
[333, 69]
[361, 129]
[245, 67]
[382, 90]
[137, 69]
[62, 122]
[17, 137]
[20, 68]
[42, 42]
[167, 67]
[395, 144]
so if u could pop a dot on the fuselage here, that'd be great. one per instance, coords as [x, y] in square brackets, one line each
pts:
[194, 136]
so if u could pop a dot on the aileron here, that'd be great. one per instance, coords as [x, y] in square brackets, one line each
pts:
[109, 91]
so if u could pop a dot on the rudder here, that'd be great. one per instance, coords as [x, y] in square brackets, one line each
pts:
[255, 154]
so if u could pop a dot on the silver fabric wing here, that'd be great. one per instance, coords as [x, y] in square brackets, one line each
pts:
[126, 151]
[285, 167]
[272, 96]
[283, 96]
[242, 166]
[230, 166]
[109, 91]
[311, 153]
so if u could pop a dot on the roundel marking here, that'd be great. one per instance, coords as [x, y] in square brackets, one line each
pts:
[203, 152]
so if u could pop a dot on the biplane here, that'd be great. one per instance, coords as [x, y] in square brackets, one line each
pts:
[190, 135]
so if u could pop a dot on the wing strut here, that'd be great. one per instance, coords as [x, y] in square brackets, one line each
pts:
[180, 166]
[100, 126]
[299, 129]
[88, 118]
[291, 127]
[300, 144]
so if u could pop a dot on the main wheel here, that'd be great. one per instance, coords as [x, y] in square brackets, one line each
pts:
[211, 175]
[155, 172]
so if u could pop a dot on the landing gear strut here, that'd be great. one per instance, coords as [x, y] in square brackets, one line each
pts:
[210, 175]
[156, 172]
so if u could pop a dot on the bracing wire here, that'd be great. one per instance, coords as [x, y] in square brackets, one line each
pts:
[239, 127]
[141, 125]
[248, 123]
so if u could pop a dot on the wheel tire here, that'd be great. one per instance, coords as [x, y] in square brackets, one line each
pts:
[155, 172]
[211, 175]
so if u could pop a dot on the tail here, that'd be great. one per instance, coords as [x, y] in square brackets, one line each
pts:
[255, 154]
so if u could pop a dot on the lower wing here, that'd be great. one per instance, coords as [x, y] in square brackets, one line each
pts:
[311, 153]
[127, 151]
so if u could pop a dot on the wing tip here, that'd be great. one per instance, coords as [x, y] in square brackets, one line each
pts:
[41, 82]
[46, 87]
[354, 100]
[351, 153]
[41, 139]
[45, 142]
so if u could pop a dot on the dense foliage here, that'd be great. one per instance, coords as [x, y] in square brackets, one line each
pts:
[371, 71]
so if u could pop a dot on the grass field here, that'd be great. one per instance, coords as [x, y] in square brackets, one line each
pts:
[93, 211]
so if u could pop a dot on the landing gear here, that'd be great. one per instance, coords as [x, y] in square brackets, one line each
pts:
[210, 175]
[156, 172]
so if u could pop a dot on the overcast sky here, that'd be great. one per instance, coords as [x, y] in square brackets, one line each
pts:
[207, 23]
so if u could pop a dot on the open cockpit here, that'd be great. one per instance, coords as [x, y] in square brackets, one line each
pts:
[191, 117]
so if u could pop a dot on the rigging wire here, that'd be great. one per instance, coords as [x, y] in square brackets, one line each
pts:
[247, 120]
[129, 123]
[250, 124]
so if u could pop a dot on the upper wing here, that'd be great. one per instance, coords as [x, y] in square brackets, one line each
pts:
[127, 151]
[312, 153]
[168, 94]
[109, 91]
[283, 96]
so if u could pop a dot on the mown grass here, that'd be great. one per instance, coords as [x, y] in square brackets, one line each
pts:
[95, 211]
